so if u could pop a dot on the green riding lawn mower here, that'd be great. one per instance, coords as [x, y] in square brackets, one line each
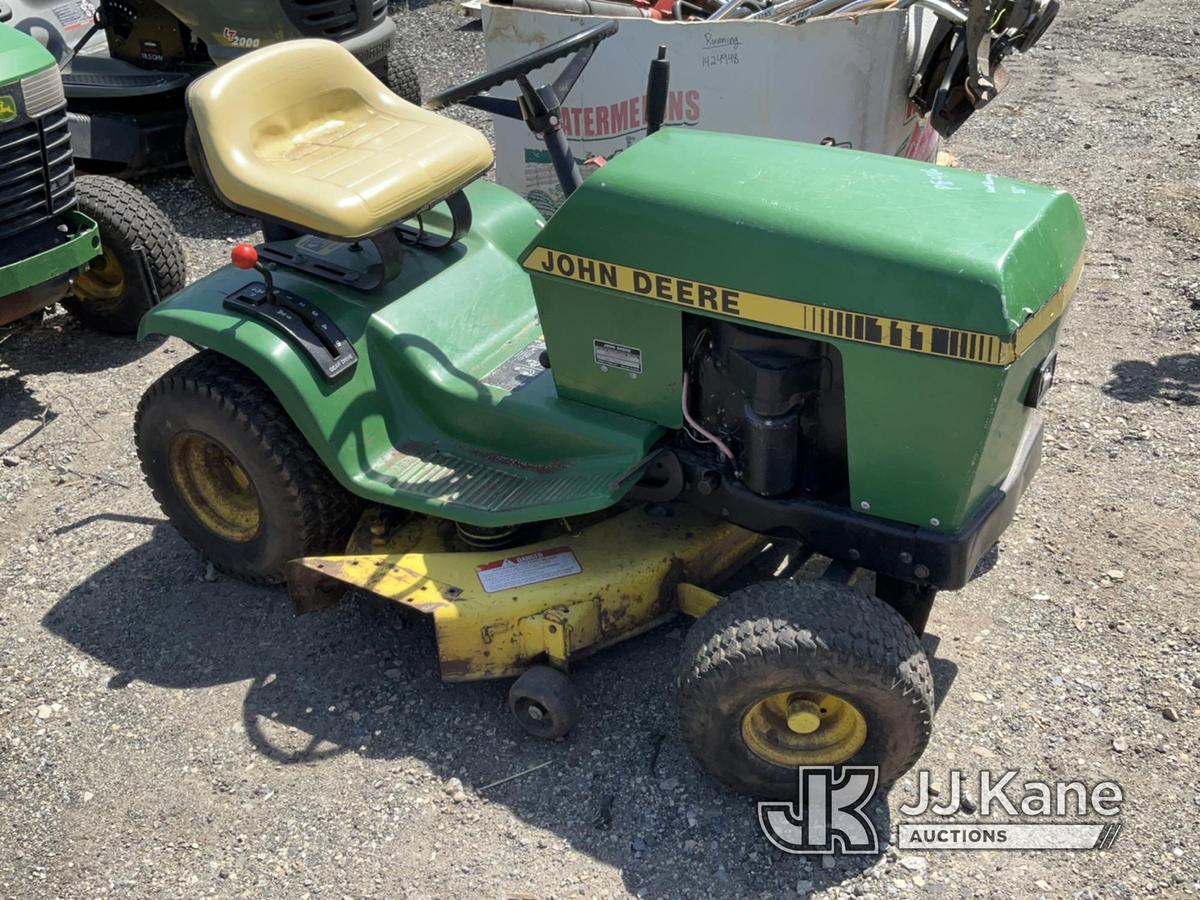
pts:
[126, 63]
[547, 437]
[98, 245]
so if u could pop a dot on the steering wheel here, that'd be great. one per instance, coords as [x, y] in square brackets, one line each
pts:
[530, 62]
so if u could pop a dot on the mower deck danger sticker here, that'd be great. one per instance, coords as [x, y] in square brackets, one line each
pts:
[532, 568]
[617, 356]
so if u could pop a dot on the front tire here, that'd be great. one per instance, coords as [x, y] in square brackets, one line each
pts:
[786, 674]
[233, 474]
[110, 295]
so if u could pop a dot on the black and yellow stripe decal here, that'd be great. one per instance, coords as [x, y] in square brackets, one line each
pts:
[881, 331]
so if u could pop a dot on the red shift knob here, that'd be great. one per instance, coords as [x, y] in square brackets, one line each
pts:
[244, 256]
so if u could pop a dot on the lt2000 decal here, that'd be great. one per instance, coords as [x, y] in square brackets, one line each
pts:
[233, 39]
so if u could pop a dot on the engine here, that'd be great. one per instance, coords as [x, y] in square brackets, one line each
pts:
[144, 33]
[778, 401]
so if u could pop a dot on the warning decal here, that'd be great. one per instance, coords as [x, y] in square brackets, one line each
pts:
[518, 370]
[617, 356]
[531, 568]
[882, 331]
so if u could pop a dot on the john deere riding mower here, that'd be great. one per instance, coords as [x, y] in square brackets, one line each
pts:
[722, 351]
[126, 63]
[97, 244]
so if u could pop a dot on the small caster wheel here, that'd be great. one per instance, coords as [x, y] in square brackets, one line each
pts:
[544, 702]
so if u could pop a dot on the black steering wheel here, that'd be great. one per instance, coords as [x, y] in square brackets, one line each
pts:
[530, 62]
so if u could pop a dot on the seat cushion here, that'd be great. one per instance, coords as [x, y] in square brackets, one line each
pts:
[303, 133]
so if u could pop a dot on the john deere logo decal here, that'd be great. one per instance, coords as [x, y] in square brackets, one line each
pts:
[8, 108]
[899, 334]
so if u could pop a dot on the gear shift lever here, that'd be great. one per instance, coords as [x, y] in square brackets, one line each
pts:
[244, 256]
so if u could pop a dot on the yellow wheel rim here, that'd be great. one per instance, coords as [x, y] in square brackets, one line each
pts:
[804, 728]
[215, 487]
[104, 279]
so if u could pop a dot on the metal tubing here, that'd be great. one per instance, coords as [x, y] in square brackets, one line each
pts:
[779, 10]
[943, 8]
[822, 7]
[727, 9]
[583, 8]
[857, 5]
[800, 11]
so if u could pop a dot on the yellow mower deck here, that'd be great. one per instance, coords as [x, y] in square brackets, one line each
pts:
[496, 612]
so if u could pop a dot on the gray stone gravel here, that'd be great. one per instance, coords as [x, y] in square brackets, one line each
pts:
[167, 731]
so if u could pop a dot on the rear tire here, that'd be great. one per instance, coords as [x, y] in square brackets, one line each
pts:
[234, 475]
[109, 295]
[399, 74]
[847, 667]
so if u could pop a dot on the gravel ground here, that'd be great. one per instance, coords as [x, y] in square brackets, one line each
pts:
[167, 731]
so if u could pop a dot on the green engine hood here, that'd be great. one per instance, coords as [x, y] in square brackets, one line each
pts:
[852, 231]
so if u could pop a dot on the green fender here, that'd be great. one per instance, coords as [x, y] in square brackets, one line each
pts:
[415, 421]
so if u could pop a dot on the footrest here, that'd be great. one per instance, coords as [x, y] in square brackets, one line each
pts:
[89, 76]
[152, 81]
[454, 481]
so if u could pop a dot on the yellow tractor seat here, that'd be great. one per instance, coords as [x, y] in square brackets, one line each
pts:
[302, 133]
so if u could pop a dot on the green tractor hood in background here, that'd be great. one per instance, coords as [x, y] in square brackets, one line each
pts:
[23, 265]
[20, 55]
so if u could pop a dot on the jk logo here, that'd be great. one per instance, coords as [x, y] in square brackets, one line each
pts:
[828, 817]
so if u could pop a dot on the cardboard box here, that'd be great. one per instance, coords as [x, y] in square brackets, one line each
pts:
[841, 80]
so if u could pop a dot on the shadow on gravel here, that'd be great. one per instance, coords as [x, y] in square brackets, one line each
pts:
[1175, 378]
[17, 405]
[59, 344]
[360, 679]
[987, 562]
[943, 670]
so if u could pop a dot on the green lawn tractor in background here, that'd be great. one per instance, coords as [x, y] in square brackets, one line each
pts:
[126, 63]
[792, 399]
[97, 244]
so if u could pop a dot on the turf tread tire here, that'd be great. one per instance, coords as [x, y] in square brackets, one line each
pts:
[128, 217]
[319, 513]
[815, 625]
[399, 75]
